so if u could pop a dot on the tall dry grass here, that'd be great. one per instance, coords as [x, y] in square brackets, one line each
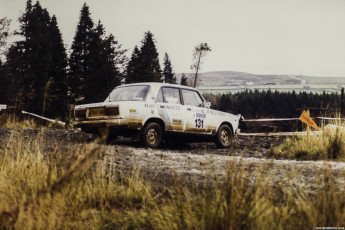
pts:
[15, 122]
[81, 189]
[327, 145]
[11, 121]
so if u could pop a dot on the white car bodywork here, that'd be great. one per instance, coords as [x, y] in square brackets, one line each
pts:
[175, 115]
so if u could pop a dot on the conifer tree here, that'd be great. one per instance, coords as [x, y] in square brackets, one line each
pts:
[169, 76]
[39, 56]
[94, 74]
[184, 80]
[133, 74]
[150, 68]
[79, 58]
[18, 63]
[96, 63]
[105, 57]
[144, 64]
[57, 100]
[115, 60]
[36, 66]
[12, 75]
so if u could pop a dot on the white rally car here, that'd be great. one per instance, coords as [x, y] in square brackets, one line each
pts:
[151, 111]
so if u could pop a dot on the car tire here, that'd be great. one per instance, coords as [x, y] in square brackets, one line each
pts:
[225, 136]
[152, 135]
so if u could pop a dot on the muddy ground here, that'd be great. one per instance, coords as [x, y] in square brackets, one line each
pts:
[191, 163]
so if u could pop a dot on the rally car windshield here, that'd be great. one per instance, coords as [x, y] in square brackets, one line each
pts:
[129, 93]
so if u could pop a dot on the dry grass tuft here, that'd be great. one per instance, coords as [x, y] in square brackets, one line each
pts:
[16, 122]
[328, 145]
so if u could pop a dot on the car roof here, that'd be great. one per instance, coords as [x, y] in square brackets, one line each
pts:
[160, 84]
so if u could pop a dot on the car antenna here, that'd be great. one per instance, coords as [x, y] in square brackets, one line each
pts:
[108, 85]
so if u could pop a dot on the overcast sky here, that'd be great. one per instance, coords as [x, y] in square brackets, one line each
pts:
[256, 36]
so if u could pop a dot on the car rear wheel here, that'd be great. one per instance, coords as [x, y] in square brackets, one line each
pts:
[152, 135]
[225, 136]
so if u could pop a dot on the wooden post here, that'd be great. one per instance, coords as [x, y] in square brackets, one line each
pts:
[308, 127]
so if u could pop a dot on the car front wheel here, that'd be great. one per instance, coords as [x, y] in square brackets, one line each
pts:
[152, 135]
[225, 136]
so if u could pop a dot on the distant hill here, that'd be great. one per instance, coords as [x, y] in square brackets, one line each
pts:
[233, 78]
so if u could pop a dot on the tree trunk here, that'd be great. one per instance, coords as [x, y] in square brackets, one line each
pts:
[196, 72]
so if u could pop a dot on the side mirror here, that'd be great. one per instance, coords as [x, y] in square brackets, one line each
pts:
[207, 104]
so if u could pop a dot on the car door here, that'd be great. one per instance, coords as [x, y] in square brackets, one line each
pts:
[170, 108]
[196, 117]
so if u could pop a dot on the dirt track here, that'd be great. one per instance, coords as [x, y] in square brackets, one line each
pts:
[192, 163]
[197, 163]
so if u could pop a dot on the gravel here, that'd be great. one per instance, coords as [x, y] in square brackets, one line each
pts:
[193, 163]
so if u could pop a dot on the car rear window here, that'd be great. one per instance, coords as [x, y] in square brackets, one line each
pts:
[129, 93]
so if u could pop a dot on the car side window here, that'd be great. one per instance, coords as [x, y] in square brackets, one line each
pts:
[169, 95]
[191, 97]
[160, 96]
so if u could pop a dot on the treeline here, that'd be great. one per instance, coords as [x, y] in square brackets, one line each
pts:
[37, 75]
[268, 104]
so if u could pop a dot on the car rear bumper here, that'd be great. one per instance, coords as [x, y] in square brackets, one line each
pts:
[94, 125]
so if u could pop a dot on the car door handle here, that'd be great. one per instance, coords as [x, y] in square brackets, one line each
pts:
[189, 109]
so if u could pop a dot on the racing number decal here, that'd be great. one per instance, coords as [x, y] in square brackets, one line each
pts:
[199, 123]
